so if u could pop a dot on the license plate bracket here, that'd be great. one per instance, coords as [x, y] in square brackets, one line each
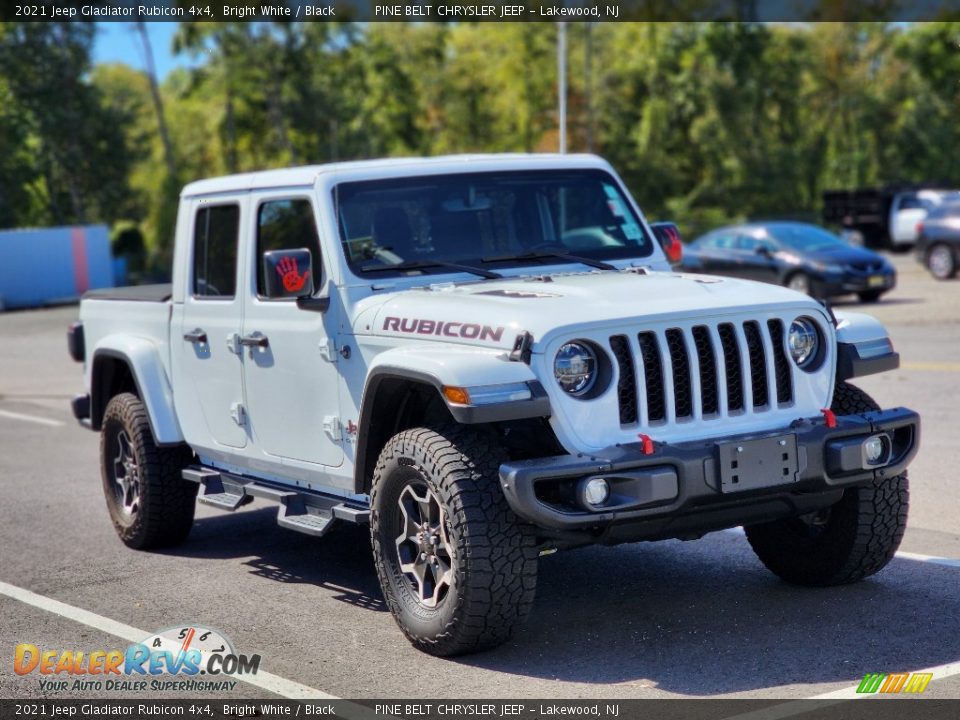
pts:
[758, 463]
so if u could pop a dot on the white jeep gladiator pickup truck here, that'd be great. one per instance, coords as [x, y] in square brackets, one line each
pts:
[486, 358]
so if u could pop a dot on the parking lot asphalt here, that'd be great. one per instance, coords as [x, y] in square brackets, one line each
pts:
[697, 619]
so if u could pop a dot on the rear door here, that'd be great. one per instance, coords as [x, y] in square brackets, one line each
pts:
[206, 366]
[291, 381]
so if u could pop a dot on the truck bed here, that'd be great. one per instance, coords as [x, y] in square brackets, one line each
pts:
[138, 314]
[857, 207]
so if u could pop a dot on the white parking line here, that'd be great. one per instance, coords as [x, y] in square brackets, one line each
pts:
[932, 559]
[30, 418]
[267, 681]
[902, 554]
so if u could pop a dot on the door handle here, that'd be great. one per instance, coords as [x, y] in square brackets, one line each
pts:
[195, 336]
[255, 340]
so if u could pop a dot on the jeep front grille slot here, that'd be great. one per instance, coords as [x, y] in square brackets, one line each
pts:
[731, 361]
[758, 363]
[683, 401]
[708, 370]
[627, 384]
[780, 362]
[653, 376]
[702, 372]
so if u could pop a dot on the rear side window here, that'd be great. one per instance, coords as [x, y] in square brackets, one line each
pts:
[950, 209]
[215, 236]
[287, 225]
[911, 202]
[721, 242]
[750, 243]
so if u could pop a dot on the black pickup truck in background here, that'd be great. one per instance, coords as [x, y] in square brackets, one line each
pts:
[885, 217]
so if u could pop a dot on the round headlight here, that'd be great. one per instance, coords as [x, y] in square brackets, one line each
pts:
[803, 341]
[575, 368]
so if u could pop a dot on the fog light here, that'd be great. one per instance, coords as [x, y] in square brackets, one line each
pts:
[593, 492]
[875, 450]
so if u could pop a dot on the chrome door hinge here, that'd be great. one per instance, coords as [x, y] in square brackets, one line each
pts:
[328, 349]
[239, 414]
[333, 427]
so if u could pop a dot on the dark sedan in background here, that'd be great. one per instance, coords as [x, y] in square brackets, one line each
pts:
[800, 256]
[938, 241]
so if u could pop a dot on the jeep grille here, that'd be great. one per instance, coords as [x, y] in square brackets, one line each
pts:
[678, 374]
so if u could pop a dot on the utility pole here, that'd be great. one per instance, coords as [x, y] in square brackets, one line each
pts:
[562, 82]
[588, 83]
[168, 154]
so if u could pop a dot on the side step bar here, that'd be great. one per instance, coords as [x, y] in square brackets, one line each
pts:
[305, 511]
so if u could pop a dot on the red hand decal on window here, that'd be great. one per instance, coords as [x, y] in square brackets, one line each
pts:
[292, 279]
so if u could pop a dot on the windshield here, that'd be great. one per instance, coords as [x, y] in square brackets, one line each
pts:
[806, 237]
[939, 197]
[422, 224]
[948, 209]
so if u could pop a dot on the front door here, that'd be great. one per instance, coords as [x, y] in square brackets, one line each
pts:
[290, 378]
[908, 211]
[206, 365]
[757, 259]
[719, 255]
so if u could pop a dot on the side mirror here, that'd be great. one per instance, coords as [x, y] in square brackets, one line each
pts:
[668, 235]
[288, 273]
[763, 250]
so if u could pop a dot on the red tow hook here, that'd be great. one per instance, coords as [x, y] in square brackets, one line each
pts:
[829, 417]
[647, 444]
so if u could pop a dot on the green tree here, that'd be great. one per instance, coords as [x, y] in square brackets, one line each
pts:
[82, 166]
[21, 201]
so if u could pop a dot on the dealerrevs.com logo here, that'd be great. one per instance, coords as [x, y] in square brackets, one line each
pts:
[894, 682]
[171, 659]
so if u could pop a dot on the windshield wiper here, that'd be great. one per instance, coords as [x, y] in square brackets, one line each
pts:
[543, 255]
[423, 264]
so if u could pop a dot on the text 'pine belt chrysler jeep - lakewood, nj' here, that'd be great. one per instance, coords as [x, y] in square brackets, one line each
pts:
[486, 358]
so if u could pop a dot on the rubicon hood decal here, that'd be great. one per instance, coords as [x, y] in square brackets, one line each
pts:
[418, 326]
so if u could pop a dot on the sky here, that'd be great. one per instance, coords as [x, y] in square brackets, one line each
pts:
[119, 42]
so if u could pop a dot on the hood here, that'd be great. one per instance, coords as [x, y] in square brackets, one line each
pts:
[492, 313]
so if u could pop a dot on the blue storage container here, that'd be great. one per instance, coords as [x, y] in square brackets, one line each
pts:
[44, 266]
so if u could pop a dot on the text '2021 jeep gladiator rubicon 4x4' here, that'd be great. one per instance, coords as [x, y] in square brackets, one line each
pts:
[486, 358]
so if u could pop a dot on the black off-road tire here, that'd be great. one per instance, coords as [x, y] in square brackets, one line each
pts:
[163, 514]
[493, 554]
[847, 542]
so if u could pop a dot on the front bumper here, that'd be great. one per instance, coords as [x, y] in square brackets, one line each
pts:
[687, 489]
[829, 285]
